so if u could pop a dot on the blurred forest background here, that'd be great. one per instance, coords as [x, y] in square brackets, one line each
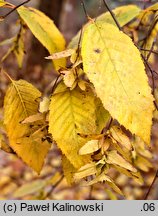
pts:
[69, 16]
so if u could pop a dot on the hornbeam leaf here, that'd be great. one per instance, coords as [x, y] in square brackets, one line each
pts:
[113, 64]
[72, 113]
[45, 31]
[68, 170]
[21, 102]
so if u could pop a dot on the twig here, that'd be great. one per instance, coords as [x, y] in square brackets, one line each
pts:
[85, 11]
[55, 83]
[151, 186]
[90, 197]
[113, 15]
[54, 186]
[152, 51]
[15, 8]
[152, 75]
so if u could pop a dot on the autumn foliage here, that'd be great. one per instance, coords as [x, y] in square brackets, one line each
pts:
[101, 107]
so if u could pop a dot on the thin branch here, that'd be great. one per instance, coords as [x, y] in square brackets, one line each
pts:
[151, 186]
[15, 8]
[54, 186]
[55, 83]
[152, 51]
[85, 11]
[113, 15]
[152, 75]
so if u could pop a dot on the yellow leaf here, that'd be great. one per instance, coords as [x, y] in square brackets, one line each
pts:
[102, 116]
[33, 118]
[69, 78]
[4, 3]
[120, 137]
[45, 31]
[140, 148]
[69, 170]
[4, 146]
[142, 163]
[30, 188]
[86, 170]
[72, 113]
[104, 178]
[113, 64]
[124, 14]
[21, 102]
[114, 158]
[44, 105]
[19, 49]
[90, 147]
[136, 176]
[82, 85]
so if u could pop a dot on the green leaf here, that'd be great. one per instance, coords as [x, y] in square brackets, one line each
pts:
[72, 114]
[113, 64]
[45, 31]
[21, 102]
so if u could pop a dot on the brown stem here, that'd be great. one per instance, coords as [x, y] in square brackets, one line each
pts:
[113, 15]
[15, 8]
[151, 186]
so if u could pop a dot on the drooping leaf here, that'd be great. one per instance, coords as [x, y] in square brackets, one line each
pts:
[17, 47]
[142, 163]
[21, 102]
[113, 64]
[69, 170]
[104, 178]
[114, 158]
[124, 14]
[72, 113]
[120, 137]
[86, 170]
[90, 147]
[45, 31]
[136, 176]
